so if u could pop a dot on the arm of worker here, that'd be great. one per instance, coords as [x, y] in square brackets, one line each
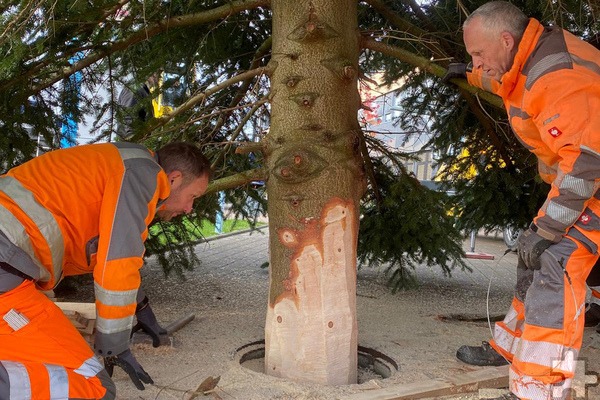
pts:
[456, 71]
[128, 206]
[568, 122]
[476, 77]
[146, 320]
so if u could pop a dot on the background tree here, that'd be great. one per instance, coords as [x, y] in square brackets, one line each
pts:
[221, 53]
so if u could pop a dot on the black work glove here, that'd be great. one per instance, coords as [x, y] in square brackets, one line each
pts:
[530, 247]
[127, 361]
[456, 70]
[146, 321]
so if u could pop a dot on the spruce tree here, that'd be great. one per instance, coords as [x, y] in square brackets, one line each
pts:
[222, 63]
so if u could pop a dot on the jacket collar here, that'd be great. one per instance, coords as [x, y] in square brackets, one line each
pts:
[528, 42]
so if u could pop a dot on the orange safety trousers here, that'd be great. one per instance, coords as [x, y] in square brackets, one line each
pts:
[46, 358]
[541, 335]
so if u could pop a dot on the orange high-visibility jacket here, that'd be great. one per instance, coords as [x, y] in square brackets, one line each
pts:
[79, 210]
[552, 96]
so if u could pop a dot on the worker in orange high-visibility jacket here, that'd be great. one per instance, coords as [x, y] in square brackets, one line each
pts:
[549, 81]
[74, 211]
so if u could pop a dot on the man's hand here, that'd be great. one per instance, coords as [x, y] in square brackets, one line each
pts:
[146, 321]
[530, 247]
[127, 361]
[456, 70]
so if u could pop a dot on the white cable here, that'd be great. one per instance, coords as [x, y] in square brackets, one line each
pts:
[577, 311]
[487, 304]
[487, 299]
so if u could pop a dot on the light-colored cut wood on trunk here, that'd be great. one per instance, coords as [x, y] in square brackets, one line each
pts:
[316, 313]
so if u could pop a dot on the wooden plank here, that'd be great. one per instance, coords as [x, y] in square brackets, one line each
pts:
[83, 317]
[479, 256]
[77, 319]
[493, 377]
[87, 310]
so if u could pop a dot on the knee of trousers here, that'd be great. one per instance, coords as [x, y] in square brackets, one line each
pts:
[545, 299]
[558, 277]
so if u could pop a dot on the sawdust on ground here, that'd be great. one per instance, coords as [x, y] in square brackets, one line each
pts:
[420, 328]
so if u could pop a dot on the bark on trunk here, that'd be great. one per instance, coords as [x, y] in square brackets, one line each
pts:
[315, 182]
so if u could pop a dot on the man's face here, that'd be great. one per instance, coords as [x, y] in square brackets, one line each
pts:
[181, 199]
[492, 52]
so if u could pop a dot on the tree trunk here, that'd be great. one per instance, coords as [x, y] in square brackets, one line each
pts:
[315, 183]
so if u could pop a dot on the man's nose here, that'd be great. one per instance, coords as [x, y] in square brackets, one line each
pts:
[477, 63]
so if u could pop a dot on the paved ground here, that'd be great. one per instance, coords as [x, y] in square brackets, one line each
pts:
[420, 328]
[460, 303]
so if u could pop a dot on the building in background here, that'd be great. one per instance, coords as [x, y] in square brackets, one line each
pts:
[381, 121]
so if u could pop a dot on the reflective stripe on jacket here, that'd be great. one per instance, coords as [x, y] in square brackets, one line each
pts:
[79, 210]
[552, 96]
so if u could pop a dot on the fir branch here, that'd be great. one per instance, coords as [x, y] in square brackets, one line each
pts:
[200, 97]
[143, 34]
[426, 65]
[237, 131]
[236, 180]
[436, 48]
[242, 91]
[395, 19]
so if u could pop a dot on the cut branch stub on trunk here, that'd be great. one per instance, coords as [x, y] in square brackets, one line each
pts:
[299, 166]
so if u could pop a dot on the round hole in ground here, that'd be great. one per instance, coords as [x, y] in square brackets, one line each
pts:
[372, 364]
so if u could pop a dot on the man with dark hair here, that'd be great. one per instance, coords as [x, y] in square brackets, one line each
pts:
[74, 211]
[549, 81]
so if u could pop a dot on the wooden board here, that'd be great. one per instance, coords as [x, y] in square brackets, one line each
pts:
[83, 317]
[493, 377]
[87, 310]
[479, 256]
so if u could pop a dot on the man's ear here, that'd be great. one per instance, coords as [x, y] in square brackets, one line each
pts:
[175, 179]
[508, 41]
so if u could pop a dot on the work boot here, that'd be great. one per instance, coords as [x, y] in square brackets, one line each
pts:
[592, 315]
[483, 355]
